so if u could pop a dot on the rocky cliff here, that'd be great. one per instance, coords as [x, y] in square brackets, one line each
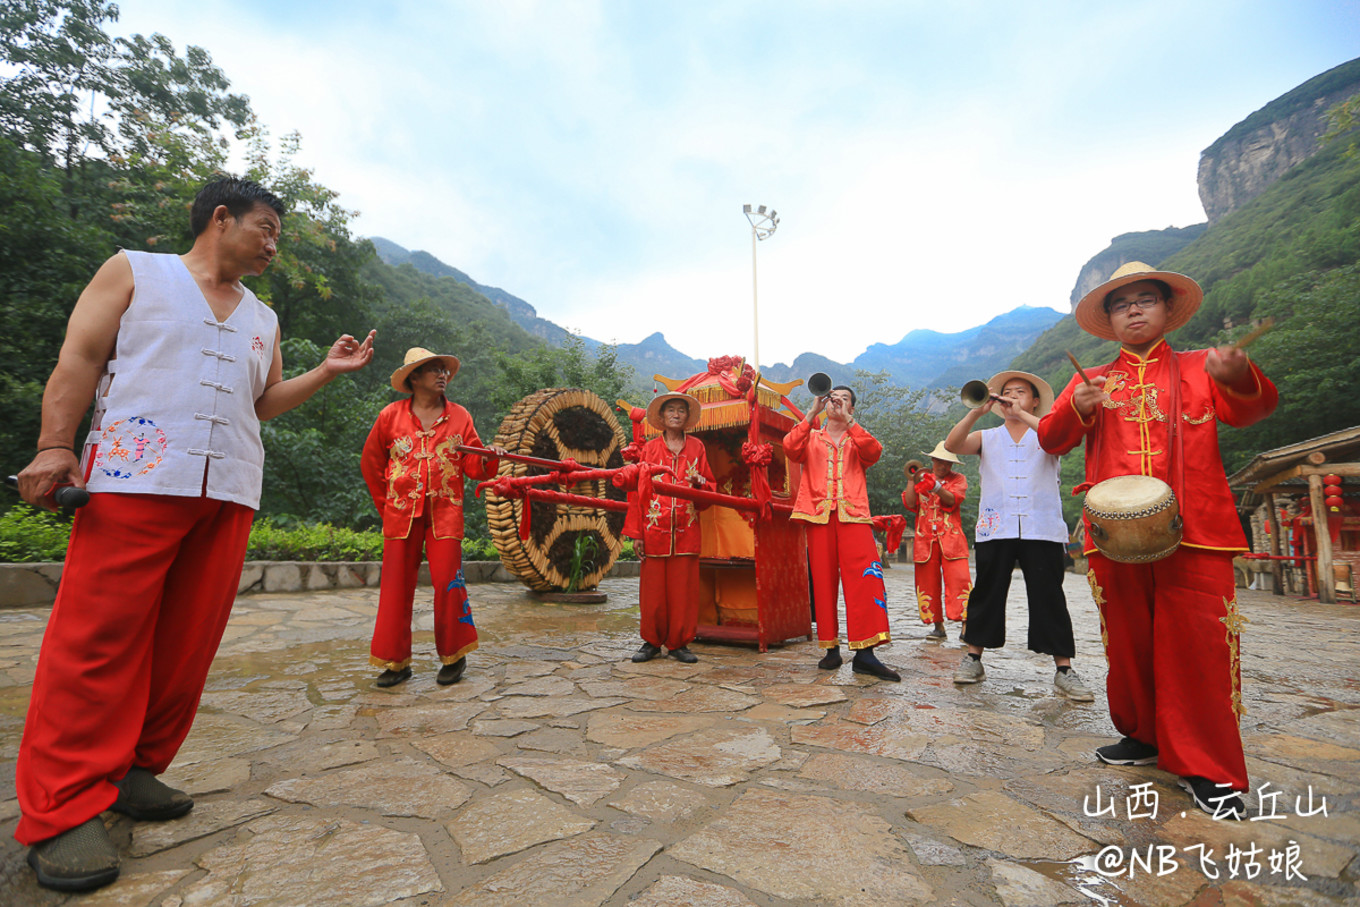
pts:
[1148, 246]
[1264, 146]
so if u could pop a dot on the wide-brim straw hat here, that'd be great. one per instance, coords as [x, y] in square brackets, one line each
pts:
[998, 381]
[1186, 296]
[939, 453]
[415, 358]
[660, 400]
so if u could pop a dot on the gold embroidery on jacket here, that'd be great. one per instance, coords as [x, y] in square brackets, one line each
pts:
[1099, 596]
[1234, 621]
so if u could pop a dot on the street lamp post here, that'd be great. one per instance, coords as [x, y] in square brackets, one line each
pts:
[763, 225]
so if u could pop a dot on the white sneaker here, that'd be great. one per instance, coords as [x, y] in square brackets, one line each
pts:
[970, 670]
[1070, 685]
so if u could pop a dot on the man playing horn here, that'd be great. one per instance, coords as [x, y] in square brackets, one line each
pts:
[1170, 627]
[1020, 523]
[939, 549]
[668, 533]
[834, 502]
[414, 471]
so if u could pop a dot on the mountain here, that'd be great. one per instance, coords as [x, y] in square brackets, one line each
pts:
[933, 359]
[1253, 154]
[654, 356]
[920, 359]
[520, 312]
[1148, 246]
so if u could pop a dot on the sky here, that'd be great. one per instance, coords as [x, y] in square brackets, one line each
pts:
[934, 165]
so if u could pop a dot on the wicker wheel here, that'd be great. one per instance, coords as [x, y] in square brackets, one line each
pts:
[558, 423]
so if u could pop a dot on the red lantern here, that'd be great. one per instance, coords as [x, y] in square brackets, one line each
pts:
[1331, 480]
[1333, 503]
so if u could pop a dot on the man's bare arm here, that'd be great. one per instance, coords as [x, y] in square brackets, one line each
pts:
[90, 336]
[345, 355]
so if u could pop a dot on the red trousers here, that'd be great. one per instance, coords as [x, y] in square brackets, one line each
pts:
[844, 555]
[669, 595]
[958, 582]
[145, 595]
[1170, 631]
[454, 633]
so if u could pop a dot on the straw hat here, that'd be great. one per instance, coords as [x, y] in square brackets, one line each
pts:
[1186, 296]
[939, 453]
[415, 358]
[998, 381]
[660, 400]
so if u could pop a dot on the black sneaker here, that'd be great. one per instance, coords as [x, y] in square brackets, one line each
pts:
[143, 796]
[79, 859]
[684, 655]
[1218, 800]
[831, 660]
[1128, 752]
[646, 653]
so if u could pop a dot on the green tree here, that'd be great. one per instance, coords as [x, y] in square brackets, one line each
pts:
[907, 423]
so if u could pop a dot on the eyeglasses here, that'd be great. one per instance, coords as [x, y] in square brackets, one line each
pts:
[1141, 303]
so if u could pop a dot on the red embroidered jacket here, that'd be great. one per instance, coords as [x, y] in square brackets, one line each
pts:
[937, 523]
[833, 474]
[670, 525]
[1127, 435]
[408, 468]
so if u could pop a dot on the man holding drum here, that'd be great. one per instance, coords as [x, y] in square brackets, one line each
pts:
[1170, 625]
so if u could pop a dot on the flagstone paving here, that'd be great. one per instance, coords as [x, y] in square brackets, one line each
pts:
[560, 773]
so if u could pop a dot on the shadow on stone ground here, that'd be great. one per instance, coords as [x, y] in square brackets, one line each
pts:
[559, 773]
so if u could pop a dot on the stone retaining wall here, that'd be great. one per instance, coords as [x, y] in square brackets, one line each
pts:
[35, 585]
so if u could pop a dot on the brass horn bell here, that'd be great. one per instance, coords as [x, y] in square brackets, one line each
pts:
[911, 468]
[975, 393]
[819, 384]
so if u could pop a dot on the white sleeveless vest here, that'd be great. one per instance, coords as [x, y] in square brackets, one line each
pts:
[1020, 496]
[181, 391]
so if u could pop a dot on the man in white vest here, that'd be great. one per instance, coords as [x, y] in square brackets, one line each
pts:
[1020, 523]
[183, 362]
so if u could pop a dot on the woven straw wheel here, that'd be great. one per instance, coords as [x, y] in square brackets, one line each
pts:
[558, 423]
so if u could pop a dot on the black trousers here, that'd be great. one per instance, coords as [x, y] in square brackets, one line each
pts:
[1050, 626]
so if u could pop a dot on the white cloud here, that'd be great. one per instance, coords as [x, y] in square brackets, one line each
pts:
[933, 166]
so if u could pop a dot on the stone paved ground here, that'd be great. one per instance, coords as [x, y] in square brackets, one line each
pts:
[559, 773]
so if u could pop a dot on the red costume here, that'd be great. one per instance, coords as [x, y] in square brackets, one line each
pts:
[834, 502]
[1170, 628]
[415, 476]
[670, 537]
[941, 550]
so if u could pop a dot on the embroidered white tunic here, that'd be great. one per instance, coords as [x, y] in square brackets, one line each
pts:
[1020, 497]
[180, 391]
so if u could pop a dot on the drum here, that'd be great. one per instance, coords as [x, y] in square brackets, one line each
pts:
[1133, 519]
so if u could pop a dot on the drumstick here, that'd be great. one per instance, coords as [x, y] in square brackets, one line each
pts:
[1077, 365]
[1241, 342]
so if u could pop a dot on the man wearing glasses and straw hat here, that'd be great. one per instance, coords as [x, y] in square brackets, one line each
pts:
[414, 471]
[1170, 626]
[1020, 523]
[668, 533]
[939, 547]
